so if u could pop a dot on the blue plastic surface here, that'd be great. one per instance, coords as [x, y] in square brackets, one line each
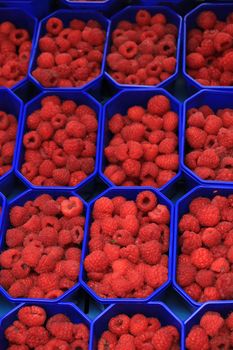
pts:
[120, 104]
[20, 200]
[129, 14]
[152, 309]
[68, 309]
[129, 193]
[3, 203]
[11, 104]
[106, 6]
[223, 307]
[34, 104]
[35, 7]
[66, 16]
[21, 19]
[216, 100]
[181, 208]
[221, 10]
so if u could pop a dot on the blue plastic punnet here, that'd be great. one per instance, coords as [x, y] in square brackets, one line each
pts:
[10, 104]
[130, 193]
[181, 208]
[80, 98]
[151, 309]
[66, 16]
[35, 7]
[20, 200]
[129, 14]
[222, 307]
[216, 100]
[120, 104]
[68, 309]
[221, 10]
[24, 20]
[108, 7]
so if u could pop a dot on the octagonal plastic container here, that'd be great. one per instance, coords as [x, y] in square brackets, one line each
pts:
[151, 309]
[130, 193]
[128, 14]
[106, 6]
[120, 104]
[20, 200]
[35, 7]
[68, 309]
[24, 20]
[224, 308]
[181, 208]
[221, 10]
[216, 100]
[66, 16]
[35, 103]
[10, 104]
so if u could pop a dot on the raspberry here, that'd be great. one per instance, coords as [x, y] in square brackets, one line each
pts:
[162, 339]
[185, 274]
[194, 291]
[197, 339]
[211, 237]
[195, 137]
[212, 322]
[201, 258]
[195, 61]
[103, 207]
[160, 214]
[37, 336]
[32, 316]
[96, 262]
[62, 330]
[151, 252]
[61, 176]
[189, 242]
[208, 215]
[159, 105]
[224, 285]
[156, 275]
[131, 252]
[18, 216]
[16, 333]
[138, 324]
[119, 325]
[205, 278]
[146, 201]
[72, 207]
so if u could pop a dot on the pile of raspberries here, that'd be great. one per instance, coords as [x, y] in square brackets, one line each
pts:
[139, 332]
[43, 247]
[213, 332]
[128, 247]
[72, 56]
[60, 146]
[205, 260]
[143, 53]
[209, 50]
[209, 136]
[143, 146]
[8, 132]
[15, 50]
[35, 330]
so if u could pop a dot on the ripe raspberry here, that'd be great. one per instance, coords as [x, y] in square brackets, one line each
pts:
[156, 275]
[185, 274]
[151, 252]
[212, 322]
[162, 339]
[208, 215]
[159, 105]
[224, 285]
[96, 262]
[32, 316]
[138, 324]
[201, 258]
[197, 339]
[119, 325]
[146, 201]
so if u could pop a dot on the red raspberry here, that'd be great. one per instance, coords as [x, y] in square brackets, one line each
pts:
[61, 176]
[151, 252]
[146, 201]
[224, 285]
[201, 258]
[212, 322]
[159, 105]
[185, 274]
[190, 241]
[131, 252]
[195, 60]
[195, 137]
[119, 325]
[160, 215]
[96, 262]
[156, 275]
[62, 330]
[194, 291]
[32, 316]
[16, 333]
[48, 281]
[37, 336]
[208, 159]
[162, 339]
[211, 237]
[205, 278]
[138, 324]
[18, 216]
[197, 339]
[208, 215]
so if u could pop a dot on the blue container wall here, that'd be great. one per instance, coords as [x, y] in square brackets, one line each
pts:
[66, 16]
[181, 208]
[35, 7]
[20, 200]
[120, 104]
[130, 193]
[79, 98]
[215, 100]
[129, 14]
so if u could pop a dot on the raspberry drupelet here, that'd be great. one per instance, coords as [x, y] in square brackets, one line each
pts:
[70, 56]
[15, 50]
[43, 247]
[143, 52]
[35, 330]
[138, 332]
[8, 132]
[204, 265]
[60, 143]
[213, 332]
[209, 50]
[128, 246]
[209, 143]
[143, 146]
